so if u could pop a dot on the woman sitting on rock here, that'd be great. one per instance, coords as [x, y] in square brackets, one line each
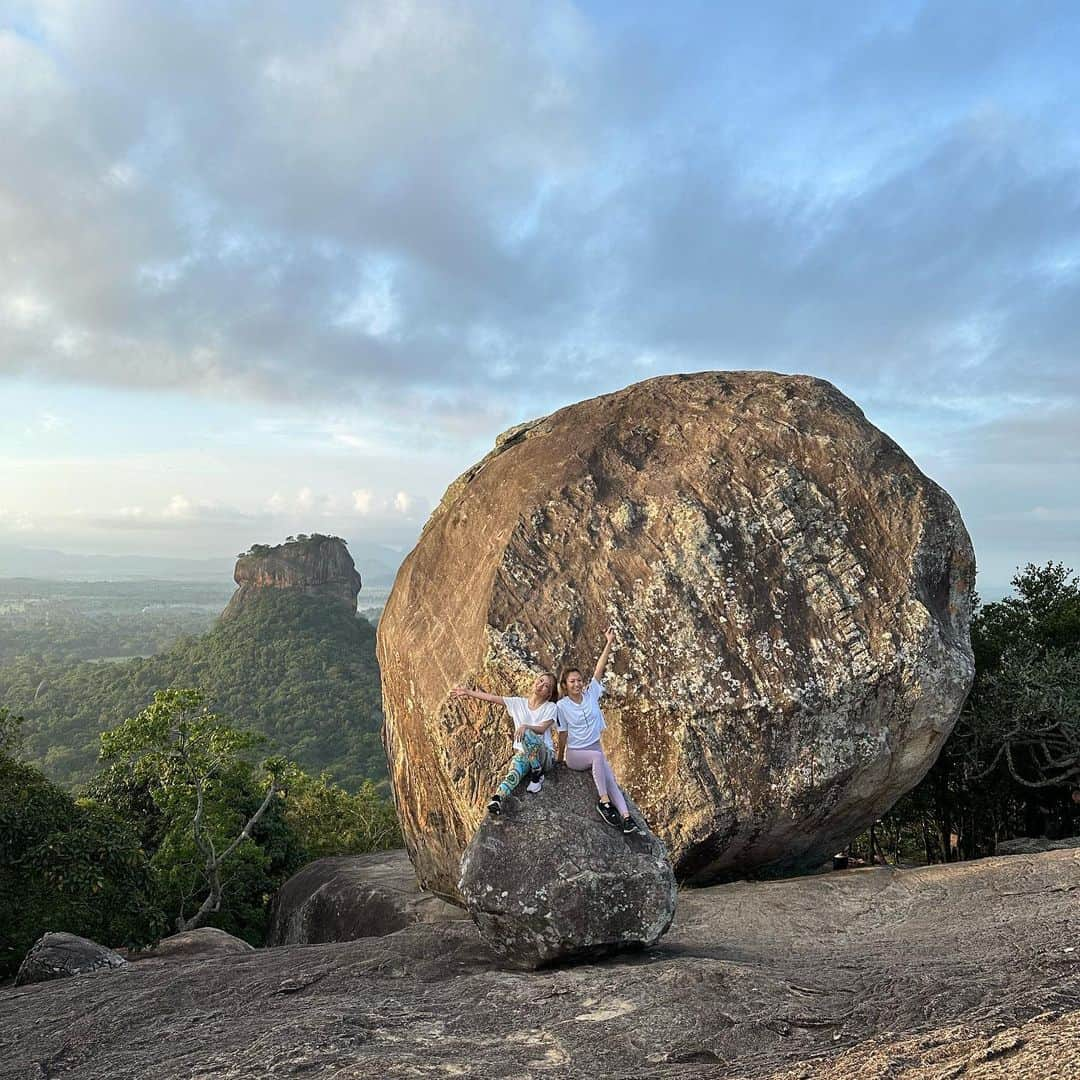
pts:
[533, 717]
[579, 723]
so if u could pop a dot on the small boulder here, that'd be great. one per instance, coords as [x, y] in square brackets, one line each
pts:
[200, 944]
[345, 897]
[57, 955]
[549, 880]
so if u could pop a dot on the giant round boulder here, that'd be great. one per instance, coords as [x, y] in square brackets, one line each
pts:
[792, 597]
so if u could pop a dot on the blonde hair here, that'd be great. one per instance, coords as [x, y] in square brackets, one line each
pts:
[554, 695]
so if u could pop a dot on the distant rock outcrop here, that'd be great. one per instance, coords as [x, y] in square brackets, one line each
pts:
[792, 597]
[316, 565]
[548, 880]
[58, 955]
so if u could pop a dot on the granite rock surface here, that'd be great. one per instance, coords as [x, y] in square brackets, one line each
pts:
[792, 596]
[59, 955]
[205, 941]
[970, 971]
[345, 897]
[549, 880]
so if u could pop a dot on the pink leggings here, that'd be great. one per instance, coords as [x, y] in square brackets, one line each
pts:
[592, 757]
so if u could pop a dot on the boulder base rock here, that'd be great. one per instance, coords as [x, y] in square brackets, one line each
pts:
[200, 944]
[549, 880]
[792, 597]
[352, 896]
[57, 955]
[318, 566]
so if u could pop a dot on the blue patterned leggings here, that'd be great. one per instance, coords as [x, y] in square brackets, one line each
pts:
[535, 755]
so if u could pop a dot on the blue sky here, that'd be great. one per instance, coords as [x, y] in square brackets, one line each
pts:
[267, 272]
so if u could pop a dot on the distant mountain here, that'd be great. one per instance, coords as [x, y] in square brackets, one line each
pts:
[292, 660]
[293, 667]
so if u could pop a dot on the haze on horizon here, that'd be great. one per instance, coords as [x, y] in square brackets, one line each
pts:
[271, 270]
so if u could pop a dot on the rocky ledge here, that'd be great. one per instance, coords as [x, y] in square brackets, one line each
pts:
[968, 970]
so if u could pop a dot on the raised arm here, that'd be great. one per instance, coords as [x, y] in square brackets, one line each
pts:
[601, 664]
[480, 695]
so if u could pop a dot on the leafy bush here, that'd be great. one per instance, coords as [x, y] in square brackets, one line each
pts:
[67, 866]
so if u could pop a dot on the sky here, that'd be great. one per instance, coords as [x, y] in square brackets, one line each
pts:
[269, 268]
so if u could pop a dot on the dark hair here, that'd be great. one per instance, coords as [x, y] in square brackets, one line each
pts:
[566, 673]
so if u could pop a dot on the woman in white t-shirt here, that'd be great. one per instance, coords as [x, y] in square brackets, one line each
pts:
[579, 724]
[533, 719]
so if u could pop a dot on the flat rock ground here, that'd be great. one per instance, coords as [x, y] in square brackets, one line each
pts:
[969, 970]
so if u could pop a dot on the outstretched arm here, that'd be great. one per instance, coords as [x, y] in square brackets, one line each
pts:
[601, 664]
[480, 695]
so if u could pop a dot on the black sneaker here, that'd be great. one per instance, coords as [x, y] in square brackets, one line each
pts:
[630, 826]
[608, 813]
[495, 805]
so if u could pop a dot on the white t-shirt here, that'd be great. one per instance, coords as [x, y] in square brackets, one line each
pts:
[518, 708]
[584, 722]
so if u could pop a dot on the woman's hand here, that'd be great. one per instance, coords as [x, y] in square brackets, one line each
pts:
[519, 732]
[601, 664]
[461, 691]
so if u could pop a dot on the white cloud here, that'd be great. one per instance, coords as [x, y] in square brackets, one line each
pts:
[179, 507]
[15, 521]
[362, 501]
[436, 220]
[23, 310]
[48, 421]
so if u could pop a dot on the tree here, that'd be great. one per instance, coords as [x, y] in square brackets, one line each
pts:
[327, 820]
[1013, 759]
[11, 739]
[67, 866]
[1028, 720]
[193, 756]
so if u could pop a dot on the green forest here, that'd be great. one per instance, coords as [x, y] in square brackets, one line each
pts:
[103, 620]
[185, 823]
[292, 667]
